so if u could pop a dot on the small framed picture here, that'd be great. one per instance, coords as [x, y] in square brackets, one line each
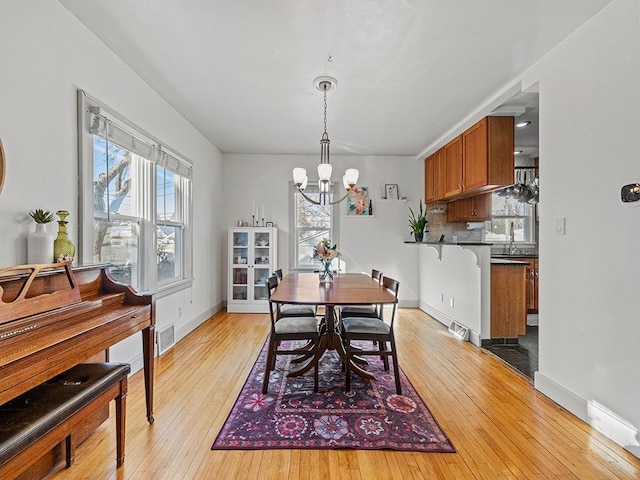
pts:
[391, 191]
[269, 224]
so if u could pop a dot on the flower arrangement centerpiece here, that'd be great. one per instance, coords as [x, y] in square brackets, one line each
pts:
[325, 251]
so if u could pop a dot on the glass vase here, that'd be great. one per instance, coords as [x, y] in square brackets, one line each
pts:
[63, 248]
[326, 274]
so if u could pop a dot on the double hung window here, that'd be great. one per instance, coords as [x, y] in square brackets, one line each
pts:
[310, 224]
[506, 211]
[136, 201]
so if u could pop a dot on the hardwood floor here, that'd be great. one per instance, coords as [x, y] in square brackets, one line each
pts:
[501, 427]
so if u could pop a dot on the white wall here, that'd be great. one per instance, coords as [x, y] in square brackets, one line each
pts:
[46, 55]
[365, 243]
[455, 286]
[589, 290]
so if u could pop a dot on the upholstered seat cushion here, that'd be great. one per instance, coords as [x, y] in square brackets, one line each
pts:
[359, 311]
[288, 325]
[355, 325]
[290, 310]
[24, 419]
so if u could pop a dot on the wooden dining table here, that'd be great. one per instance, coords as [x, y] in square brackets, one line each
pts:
[346, 289]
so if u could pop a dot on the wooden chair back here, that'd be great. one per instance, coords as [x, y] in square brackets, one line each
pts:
[376, 275]
[393, 286]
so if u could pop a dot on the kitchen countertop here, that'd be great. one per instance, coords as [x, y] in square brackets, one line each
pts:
[450, 243]
[504, 261]
[515, 255]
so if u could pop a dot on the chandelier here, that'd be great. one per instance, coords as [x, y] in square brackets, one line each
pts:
[300, 179]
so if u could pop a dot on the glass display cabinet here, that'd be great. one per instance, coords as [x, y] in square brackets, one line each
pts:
[252, 259]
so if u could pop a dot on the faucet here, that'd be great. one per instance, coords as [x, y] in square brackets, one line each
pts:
[512, 236]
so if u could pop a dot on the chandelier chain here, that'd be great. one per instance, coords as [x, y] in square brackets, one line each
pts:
[325, 109]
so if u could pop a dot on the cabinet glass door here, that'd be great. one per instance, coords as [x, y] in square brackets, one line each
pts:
[260, 274]
[240, 283]
[240, 271]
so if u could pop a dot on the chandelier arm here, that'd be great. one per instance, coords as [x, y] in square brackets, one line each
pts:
[341, 199]
[307, 198]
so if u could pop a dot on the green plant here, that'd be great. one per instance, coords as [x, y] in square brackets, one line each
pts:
[41, 216]
[418, 222]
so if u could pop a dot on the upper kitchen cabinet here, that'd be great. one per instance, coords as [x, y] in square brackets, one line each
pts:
[478, 161]
[453, 167]
[471, 209]
[487, 150]
[434, 177]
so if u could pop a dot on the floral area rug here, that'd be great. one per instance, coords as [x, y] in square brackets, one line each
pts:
[292, 416]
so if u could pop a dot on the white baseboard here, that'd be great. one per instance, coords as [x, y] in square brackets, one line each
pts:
[474, 337]
[593, 413]
[194, 323]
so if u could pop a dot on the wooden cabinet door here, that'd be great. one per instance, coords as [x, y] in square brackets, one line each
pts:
[438, 174]
[532, 282]
[453, 167]
[481, 208]
[474, 152]
[535, 286]
[429, 183]
[472, 209]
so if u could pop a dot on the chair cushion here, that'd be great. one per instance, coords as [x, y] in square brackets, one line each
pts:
[27, 417]
[296, 325]
[291, 310]
[359, 311]
[365, 325]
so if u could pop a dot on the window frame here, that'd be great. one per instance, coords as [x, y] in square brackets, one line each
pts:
[146, 215]
[294, 195]
[528, 221]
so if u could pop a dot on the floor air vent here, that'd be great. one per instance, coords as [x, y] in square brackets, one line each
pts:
[459, 331]
[166, 339]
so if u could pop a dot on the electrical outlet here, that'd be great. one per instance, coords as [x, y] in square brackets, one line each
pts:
[442, 298]
[451, 302]
[560, 226]
[179, 312]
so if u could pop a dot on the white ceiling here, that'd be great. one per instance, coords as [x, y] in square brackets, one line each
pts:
[242, 71]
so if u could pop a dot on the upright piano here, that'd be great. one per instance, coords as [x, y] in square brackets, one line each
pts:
[53, 317]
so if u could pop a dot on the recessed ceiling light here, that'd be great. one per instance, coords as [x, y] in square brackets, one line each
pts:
[523, 124]
[517, 152]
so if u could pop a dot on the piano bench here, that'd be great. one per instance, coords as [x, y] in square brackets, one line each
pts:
[38, 420]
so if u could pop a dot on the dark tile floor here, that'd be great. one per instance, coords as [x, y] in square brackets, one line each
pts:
[524, 356]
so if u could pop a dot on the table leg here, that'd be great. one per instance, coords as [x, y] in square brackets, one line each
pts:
[331, 340]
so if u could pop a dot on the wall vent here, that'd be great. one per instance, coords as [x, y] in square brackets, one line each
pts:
[166, 339]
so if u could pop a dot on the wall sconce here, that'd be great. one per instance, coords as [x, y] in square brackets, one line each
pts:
[630, 193]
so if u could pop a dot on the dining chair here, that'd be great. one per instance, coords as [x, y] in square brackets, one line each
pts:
[288, 329]
[375, 330]
[373, 311]
[291, 310]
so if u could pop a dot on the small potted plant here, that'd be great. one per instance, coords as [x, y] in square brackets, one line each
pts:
[40, 242]
[418, 223]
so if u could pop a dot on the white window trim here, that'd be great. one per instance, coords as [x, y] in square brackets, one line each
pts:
[85, 215]
[293, 240]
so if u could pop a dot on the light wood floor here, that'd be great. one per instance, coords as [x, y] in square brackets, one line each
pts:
[501, 427]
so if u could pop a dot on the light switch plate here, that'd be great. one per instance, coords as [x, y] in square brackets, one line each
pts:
[560, 226]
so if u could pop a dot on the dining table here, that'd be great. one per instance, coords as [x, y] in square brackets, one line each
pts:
[345, 289]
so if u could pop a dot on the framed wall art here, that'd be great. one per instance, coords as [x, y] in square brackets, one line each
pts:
[391, 191]
[358, 201]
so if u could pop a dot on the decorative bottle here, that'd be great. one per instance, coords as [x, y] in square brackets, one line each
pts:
[63, 248]
[370, 208]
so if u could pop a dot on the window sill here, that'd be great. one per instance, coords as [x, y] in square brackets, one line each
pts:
[171, 288]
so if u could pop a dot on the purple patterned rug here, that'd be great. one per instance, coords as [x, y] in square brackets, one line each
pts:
[292, 416]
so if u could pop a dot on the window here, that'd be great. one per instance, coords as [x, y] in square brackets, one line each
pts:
[136, 207]
[504, 211]
[311, 223]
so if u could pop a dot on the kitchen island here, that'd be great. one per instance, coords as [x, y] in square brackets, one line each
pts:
[456, 289]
